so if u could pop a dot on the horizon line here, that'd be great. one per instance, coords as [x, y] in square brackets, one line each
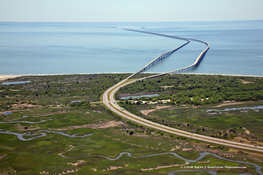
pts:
[130, 21]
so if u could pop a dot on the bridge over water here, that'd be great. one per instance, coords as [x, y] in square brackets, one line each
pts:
[109, 99]
[168, 53]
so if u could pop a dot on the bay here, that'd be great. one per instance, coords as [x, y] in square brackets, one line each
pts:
[73, 48]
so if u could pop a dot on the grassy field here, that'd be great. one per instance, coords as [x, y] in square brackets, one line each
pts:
[234, 121]
[82, 154]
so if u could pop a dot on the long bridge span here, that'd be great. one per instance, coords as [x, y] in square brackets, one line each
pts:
[168, 53]
[110, 102]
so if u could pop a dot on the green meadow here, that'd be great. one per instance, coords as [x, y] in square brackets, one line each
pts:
[110, 134]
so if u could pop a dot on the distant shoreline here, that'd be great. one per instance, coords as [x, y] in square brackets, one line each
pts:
[5, 77]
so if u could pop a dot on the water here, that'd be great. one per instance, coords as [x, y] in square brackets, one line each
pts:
[20, 136]
[58, 48]
[58, 103]
[202, 155]
[15, 82]
[41, 121]
[67, 135]
[235, 109]
[139, 96]
[173, 172]
[76, 101]
[7, 113]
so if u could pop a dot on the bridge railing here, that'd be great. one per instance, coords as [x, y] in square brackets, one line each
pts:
[167, 54]
[160, 57]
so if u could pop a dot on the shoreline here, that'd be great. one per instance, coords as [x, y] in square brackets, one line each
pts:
[5, 77]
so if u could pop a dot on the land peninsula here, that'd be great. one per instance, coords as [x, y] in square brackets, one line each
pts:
[67, 129]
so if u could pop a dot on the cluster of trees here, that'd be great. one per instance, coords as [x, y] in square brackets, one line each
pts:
[91, 86]
[198, 89]
[62, 85]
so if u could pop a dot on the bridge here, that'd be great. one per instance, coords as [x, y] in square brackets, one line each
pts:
[110, 102]
[168, 53]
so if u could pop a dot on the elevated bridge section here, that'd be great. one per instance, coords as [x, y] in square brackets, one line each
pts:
[167, 54]
[161, 56]
[110, 102]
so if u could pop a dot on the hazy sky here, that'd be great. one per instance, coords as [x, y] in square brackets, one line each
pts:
[129, 10]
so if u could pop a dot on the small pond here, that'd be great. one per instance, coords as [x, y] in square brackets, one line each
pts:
[41, 121]
[235, 109]
[7, 113]
[15, 82]
[133, 97]
[76, 101]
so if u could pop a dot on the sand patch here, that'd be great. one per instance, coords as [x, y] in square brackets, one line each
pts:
[94, 169]
[245, 82]
[186, 149]
[63, 172]
[164, 166]
[19, 106]
[2, 156]
[165, 87]
[176, 148]
[146, 112]
[173, 149]
[5, 77]
[79, 162]
[113, 168]
[246, 131]
[233, 103]
[162, 107]
[208, 161]
[97, 111]
[14, 90]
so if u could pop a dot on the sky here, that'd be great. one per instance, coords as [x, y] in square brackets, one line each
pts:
[129, 10]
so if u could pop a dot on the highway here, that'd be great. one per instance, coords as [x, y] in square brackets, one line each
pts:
[110, 102]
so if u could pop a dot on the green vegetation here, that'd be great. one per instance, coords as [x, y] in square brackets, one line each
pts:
[228, 124]
[201, 91]
[184, 89]
[45, 90]
[36, 100]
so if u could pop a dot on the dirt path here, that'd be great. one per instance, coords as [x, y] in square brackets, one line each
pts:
[146, 112]
[226, 104]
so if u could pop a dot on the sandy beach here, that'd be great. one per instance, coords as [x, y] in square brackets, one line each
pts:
[5, 77]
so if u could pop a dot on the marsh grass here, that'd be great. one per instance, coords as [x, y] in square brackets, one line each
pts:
[42, 154]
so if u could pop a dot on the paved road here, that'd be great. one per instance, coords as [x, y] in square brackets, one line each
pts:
[110, 102]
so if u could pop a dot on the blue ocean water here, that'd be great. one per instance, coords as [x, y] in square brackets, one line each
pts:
[72, 48]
